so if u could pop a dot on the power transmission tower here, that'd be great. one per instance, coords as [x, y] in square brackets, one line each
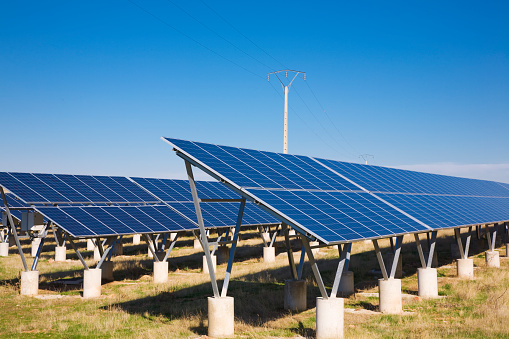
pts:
[286, 88]
[365, 157]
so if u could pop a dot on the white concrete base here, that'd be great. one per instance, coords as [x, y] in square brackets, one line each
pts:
[92, 283]
[4, 249]
[295, 295]
[427, 282]
[389, 292]
[315, 251]
[107, 270]
[29, 282]
[492, 258]
[221, 317]
[60, 253]
[223, 252]
[90, 245]
[35, 246]
[205, 268]
[329, 318]
[465, 268]
[269, 255]
[266, 237]
[136, 239]
[160, 272]
[197, 244]
[346, 285]
[97, 254]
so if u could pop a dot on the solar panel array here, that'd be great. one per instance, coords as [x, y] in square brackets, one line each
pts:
[338, 201]
[13, 202]
[88, 206]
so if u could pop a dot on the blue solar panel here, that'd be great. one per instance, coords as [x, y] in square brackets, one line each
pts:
[13, 201]
[338, 201]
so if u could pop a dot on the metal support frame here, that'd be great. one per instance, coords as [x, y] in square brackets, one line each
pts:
[289, 250]
[344, 261]
[426, 262]
[13, 229]
[314, 267]
[172, 244]
[397, 253]
[110, 242]
[463, 250]
[301, 262]
[492, 236]
[151, 246]
[232, 249]
[79, 254]
[201, 225]
[36, 259]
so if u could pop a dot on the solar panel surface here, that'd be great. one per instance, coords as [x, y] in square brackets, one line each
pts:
[338, 202]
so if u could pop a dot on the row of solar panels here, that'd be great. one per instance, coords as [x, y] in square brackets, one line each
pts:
[340, 202]
[88, 206]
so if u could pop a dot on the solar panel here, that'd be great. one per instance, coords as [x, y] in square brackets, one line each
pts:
[37, 188]
[90, 221]
[13, 202]
[338, 202]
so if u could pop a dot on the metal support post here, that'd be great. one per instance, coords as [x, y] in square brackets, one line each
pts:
[343, 263]
[79, 254]
[289, 250]
[314, 267]
[203, 234]
[419, 250]
[172, 244]
[380, 259]
[111, 242]
[457, 234]
[232, 249]
[36, 259]
[151, 247]
[13, 229]
[493, 237]
[301, 262]
[431, 248]
[274, 236]
[397, 253]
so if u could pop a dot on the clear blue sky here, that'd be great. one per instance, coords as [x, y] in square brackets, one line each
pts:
[89, 87]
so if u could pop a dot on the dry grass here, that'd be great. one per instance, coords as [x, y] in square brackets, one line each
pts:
[134, 307]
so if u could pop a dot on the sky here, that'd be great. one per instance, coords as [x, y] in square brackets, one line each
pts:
[90, 87]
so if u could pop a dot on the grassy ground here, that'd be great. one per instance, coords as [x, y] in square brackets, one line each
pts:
[133, 307]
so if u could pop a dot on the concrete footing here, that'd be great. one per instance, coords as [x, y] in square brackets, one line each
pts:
[329, 318]
[492, 258]
[35, 246]
[223, 252]
[60, 253]
[295, 295]
[92, 283]
[107, 270]
[269, 255]
[389, 292]
[465, 268]
[221, 317]
[314, 250]
[160, 272]
[90, 245]
[206, 267]
[428, 283]
[29, 282]
[346, 285]
[4, 249]
[196, 244]
[136, 239]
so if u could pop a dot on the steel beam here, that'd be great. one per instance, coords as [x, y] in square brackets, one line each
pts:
[232, 249]
[314, 267]
[13, 229]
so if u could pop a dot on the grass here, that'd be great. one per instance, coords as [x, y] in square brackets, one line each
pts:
[134, 307]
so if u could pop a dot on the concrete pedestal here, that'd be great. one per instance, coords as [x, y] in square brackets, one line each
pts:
[269, 255]
[4, 249]
[221, 317]
[428, 283]
[465, 268]
[295, 295]
[29, 282]
[492, 259]
[389, 292]
[223, 253]
[266, 237]
[92, 283]
[60, 253]
[90, 245]
[35, 246]
[107, 271]
[97, 254]
[196, 244]
[329, 318]
[206, 267]
[314, 250]
[346, 285]
[160, 272]
[136, 239]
